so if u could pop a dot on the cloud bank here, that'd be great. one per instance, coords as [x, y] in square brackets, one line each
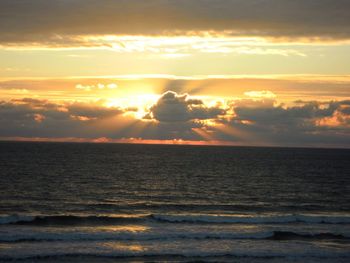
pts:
[249, 121]
[56, 22]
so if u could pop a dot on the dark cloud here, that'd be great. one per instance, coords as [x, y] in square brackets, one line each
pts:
[92, 111]
[345, 110]
[278, 115]
[33, 117]
[307, 123]
[23, 108]
[58, 22]
[263, 113]
[172, 107]
[179, 116]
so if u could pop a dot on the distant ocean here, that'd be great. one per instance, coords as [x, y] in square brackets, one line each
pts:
[76, 202]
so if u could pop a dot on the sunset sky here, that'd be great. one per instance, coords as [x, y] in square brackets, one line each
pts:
[228, 72]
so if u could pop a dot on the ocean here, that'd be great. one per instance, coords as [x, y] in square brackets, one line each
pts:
[81, 202]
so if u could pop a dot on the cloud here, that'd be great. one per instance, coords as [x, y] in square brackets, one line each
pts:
[92, 111]
[253, 121]
[305, 124]
[56, 22]
[97, 86]
[172, 107]
[41, 118]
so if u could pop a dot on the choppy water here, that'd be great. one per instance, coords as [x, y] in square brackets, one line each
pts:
[113, 202]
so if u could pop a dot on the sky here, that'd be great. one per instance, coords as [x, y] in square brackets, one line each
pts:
[216, 72]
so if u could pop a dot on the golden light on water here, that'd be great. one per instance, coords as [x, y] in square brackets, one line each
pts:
[118, 246]
[125, 228]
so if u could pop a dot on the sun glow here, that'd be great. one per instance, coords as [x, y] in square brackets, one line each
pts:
[137, 105]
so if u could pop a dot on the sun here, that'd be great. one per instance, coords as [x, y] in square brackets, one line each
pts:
[137, 105]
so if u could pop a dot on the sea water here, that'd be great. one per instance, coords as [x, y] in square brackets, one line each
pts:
[77, 202]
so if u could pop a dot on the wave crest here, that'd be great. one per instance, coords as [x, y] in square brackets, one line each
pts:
[171, 218]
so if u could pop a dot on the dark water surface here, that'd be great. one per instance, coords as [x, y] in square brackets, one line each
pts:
[119, 202]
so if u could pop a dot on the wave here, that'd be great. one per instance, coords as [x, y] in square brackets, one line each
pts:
[180, 206]
[69, 220]
[200, 207]
[12, 219]
[171, 218]
[278, 219]
[287, 235]
[140, 236]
